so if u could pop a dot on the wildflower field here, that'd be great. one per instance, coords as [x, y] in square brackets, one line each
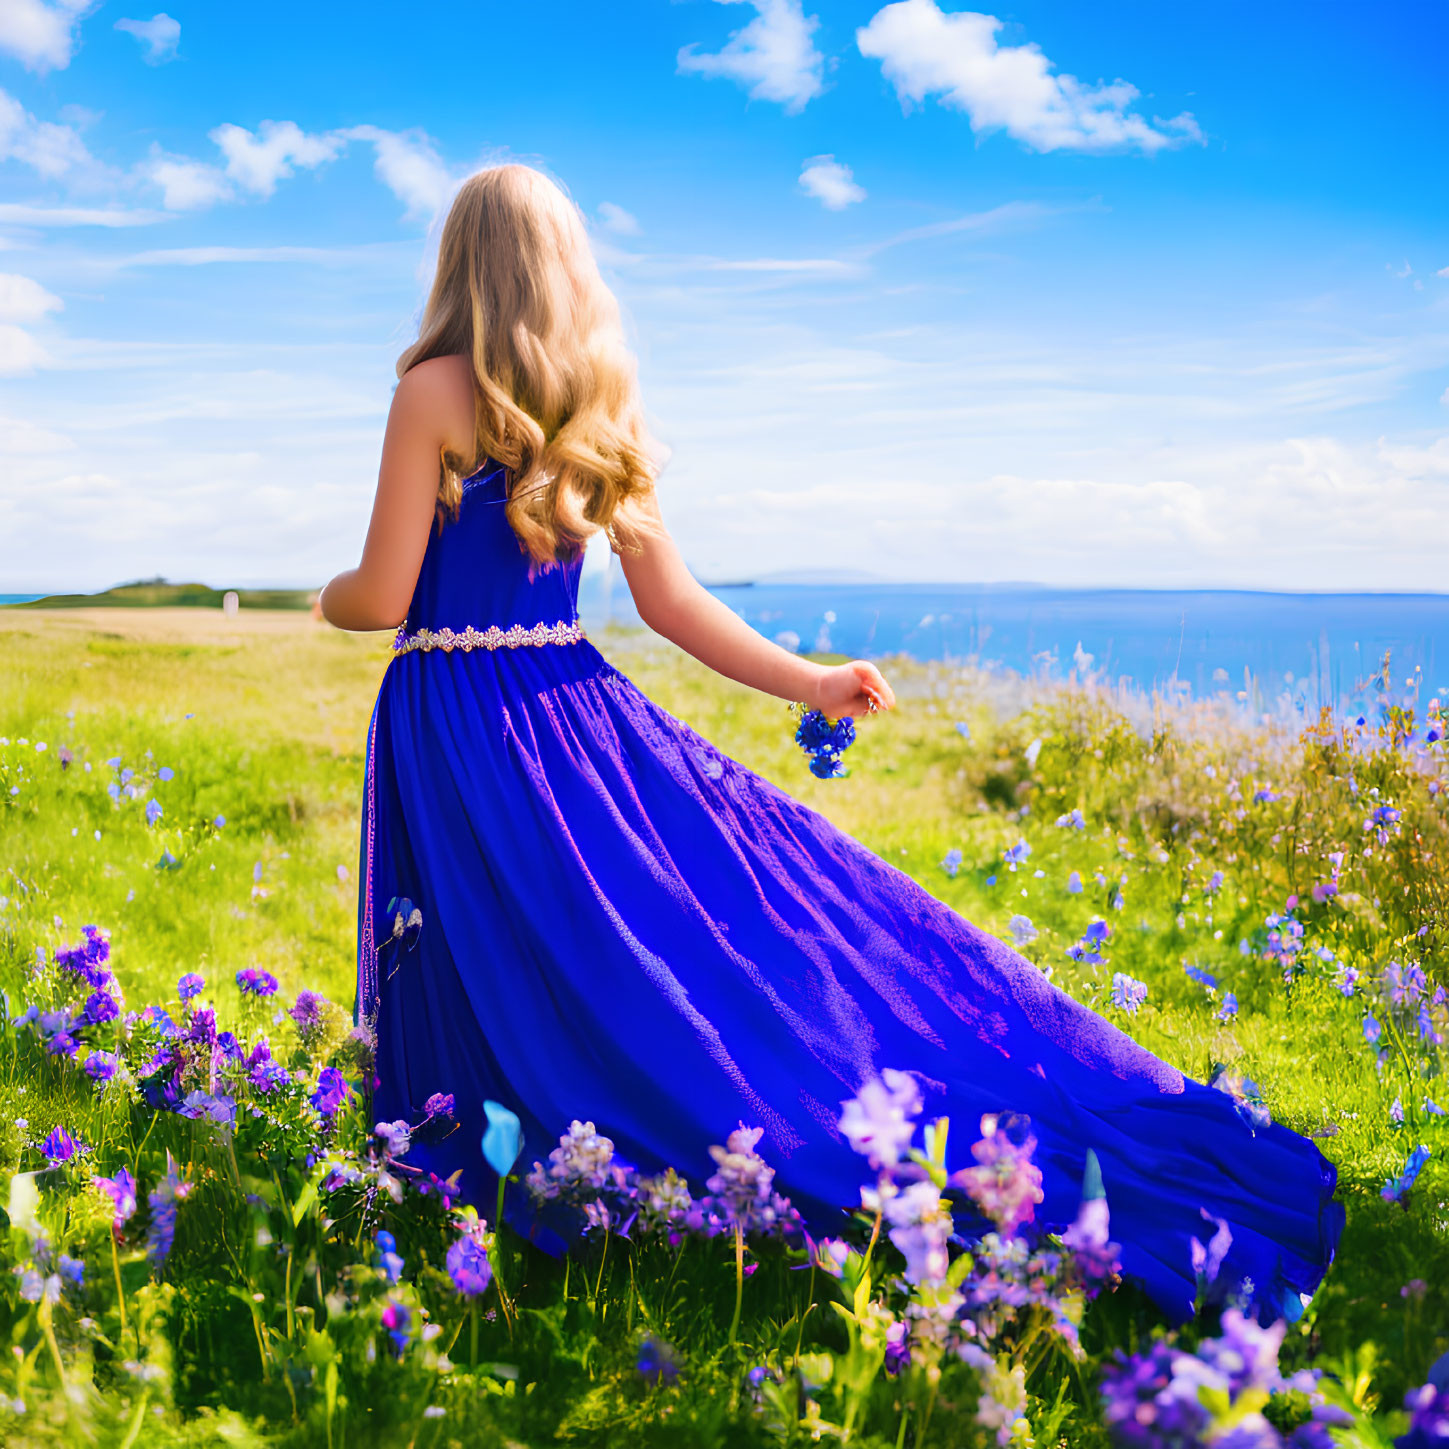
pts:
[210, 1241]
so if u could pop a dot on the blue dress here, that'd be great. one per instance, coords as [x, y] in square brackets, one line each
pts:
[623, 925]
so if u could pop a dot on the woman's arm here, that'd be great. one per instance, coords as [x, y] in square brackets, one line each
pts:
[431, 409]
[673, 603]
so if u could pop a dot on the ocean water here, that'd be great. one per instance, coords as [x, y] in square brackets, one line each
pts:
[1321, 648]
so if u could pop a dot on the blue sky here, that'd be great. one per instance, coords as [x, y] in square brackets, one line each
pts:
[1117, 294]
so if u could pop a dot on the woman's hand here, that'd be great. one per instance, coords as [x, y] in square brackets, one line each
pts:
[852, 689]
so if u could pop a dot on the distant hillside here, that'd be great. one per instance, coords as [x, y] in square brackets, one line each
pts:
[157, 593]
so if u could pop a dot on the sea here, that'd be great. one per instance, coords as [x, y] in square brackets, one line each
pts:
[1320, 648]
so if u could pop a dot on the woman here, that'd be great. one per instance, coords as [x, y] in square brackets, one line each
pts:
[604, 917]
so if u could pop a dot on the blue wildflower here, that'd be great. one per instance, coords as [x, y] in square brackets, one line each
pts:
[390, 1262]
[165, 773]
[657, 1363]
[1372, 1031]
[1016, 855]
[1203, 978]
[503, 1140]
[153, 812]
[1074, 884]
[952, 861]
[192, 984]
[1229, 1009]
[1396, 1189]
[1074, 820]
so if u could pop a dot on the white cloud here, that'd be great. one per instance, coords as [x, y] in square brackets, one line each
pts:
[256, 162]
[160, 35]
[22, 299]
[774, 55]
[40, 36]
[830, 183]
[408, 164]
[616, 219]
[20, 214]
[19, 352]
[46, 147]
[924, 51]
[186, 185]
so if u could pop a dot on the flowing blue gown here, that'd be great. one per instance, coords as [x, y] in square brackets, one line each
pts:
[623, 925]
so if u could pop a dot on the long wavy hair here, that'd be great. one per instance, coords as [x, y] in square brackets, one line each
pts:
[517, 290]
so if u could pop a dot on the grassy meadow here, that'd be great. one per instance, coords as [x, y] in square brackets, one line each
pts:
[190, 784]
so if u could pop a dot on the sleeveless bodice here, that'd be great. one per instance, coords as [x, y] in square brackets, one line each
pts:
[475, 573]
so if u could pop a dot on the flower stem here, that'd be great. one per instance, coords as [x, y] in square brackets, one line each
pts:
[120, 1292]
[739, 1282]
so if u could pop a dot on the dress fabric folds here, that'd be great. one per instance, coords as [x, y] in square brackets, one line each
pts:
[623, 925]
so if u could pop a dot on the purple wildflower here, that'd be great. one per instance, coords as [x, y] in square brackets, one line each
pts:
[468, 1264]
[153, 812]
[397, 1319]
[952, 861]
[877, 1122]
[1428, 1419]
[190, 985]
[60, 1147]
[213, 1107]
[253, 981]
[1005, 1184]
[1127, 993]
[309, 1014]
[1229, 1009]
[101, 1067]
[264, 1072]
[898, 1349]
[742, 1179]
[1022, 930]
[101, 1007]
[395, 1137]
[579, 1166]
[1016, 855]
[89, 958]
[440, 1104]
[332, 1091]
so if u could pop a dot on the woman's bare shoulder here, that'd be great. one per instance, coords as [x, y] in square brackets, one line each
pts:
[439, 393]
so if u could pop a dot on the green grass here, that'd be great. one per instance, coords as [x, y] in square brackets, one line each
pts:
[266, 729]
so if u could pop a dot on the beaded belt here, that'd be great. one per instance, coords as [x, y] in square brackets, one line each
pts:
[516, 636]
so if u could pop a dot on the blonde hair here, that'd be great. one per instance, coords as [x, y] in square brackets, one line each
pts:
[517, 290]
